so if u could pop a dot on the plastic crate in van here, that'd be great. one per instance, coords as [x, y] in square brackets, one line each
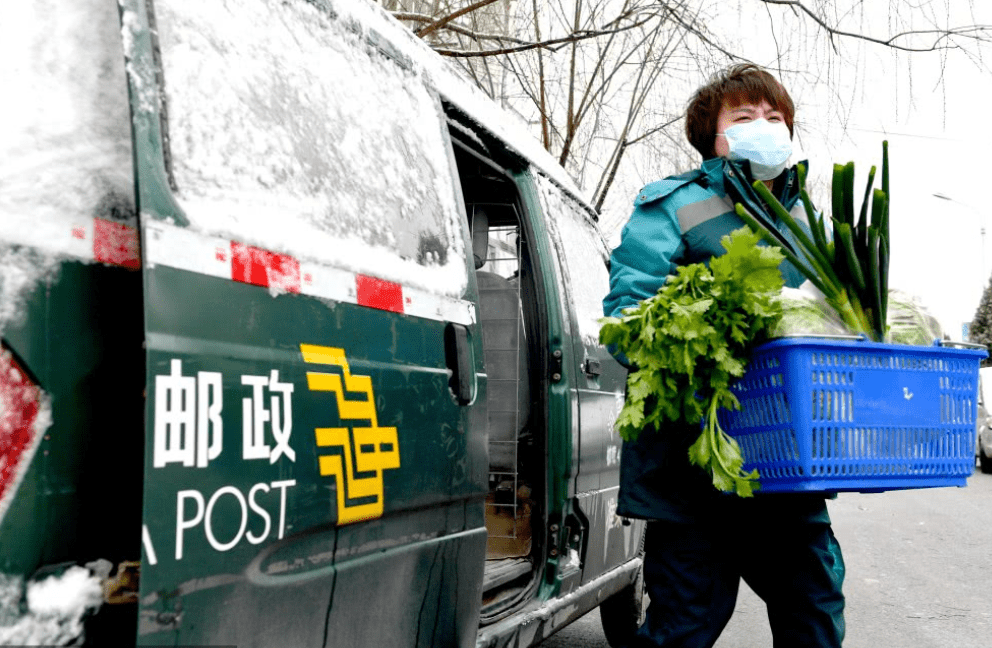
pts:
[853, 415]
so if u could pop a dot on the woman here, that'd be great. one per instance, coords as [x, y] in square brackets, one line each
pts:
[701, 542]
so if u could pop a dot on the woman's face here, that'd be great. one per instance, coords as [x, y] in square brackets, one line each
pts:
[740, 114]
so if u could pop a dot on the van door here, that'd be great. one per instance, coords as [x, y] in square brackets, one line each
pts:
[598, 382]
[529, 416]
[554, 540]
[314, 474]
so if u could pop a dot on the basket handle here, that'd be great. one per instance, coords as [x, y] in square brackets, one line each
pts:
[964, 345]
[825, 336]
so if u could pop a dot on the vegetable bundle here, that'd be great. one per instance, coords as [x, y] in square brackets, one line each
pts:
[851, 267]
[690, 340]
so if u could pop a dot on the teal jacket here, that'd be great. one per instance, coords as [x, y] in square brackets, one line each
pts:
[681, 220]
[678, 221]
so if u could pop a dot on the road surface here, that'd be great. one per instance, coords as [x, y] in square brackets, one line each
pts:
[919, 574]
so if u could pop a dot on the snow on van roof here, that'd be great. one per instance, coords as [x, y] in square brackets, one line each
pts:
[456, 89]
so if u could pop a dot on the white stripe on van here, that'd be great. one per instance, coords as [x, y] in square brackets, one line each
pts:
[89, 239]
[188, 250]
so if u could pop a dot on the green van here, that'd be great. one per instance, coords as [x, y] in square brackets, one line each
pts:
[299, 341]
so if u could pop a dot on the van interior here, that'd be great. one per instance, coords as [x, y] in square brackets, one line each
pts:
[509, 317]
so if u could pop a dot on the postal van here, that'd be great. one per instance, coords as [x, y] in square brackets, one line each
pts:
[299, 341]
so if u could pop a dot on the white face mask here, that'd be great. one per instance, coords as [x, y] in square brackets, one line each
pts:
[765, 145]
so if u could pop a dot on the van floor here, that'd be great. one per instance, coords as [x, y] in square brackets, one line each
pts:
[501, 571]
[505, 579]
[509, 548]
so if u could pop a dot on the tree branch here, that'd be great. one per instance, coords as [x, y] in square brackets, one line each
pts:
[694, 28]
[976, 32]
[543, 108]
[547, 44]
[444, 20]
[460, 29]
[571, 124]
[648, 133]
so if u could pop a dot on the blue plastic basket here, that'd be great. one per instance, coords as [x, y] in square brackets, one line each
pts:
[853, 415]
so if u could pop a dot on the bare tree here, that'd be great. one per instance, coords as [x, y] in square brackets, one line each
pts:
[598, 78]
[583, 73]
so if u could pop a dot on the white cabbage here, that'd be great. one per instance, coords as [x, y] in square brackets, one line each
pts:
[805, 311]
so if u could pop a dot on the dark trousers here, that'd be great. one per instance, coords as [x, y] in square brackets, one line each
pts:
[692, 572]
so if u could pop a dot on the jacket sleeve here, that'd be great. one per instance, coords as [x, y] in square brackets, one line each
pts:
[650, 244]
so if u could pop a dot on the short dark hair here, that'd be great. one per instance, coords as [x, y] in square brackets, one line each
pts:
[736, 85]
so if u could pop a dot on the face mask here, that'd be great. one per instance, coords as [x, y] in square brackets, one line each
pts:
[765, 145]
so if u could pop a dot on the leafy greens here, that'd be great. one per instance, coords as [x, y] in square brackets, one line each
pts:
[688, 343]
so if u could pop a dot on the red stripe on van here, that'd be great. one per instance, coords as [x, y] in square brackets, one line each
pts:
[378, 293]
[116, 243]
[19, 405]
[252, 265]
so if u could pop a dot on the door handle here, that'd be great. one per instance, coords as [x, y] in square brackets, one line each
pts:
[460, 361]
[592, 367]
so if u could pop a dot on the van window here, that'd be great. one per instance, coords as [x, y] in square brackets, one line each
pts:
[65, 130]
[584, 255]
[273, 145]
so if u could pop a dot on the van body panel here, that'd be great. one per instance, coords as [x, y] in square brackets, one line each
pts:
[539, 620]
[598, 383]
[612, 541]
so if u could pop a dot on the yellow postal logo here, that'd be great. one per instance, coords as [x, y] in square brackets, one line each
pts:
[354, 456]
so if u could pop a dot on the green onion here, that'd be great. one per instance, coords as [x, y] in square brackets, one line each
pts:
[852, 269]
